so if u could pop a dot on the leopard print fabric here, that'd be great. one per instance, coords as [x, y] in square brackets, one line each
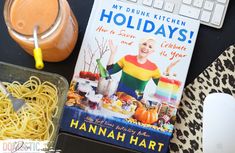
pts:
[218, 77]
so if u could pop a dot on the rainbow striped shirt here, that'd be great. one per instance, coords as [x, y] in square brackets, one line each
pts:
[135, 76]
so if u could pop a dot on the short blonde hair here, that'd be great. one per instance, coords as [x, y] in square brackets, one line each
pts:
[145, 39]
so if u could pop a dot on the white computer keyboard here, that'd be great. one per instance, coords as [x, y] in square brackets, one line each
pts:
[209, 12]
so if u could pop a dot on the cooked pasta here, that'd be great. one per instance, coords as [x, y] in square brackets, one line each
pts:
[34, 120]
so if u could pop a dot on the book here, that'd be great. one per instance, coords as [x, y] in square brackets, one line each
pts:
[129, 76]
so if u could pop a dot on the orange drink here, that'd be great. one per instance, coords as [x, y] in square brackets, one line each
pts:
[57, 26]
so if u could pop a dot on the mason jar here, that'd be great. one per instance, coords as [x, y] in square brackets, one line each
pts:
[57, 26]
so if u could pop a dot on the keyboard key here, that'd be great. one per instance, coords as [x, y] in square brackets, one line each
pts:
[205, 16]
[198, 3]
[169, 6]
[218, 14]
[132, 0]
[189, 11]
[148, 2]
[208, 5]
[187, 1]
[158, 4]
[221, 1]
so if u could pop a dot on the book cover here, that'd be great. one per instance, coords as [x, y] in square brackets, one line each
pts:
[129, 76]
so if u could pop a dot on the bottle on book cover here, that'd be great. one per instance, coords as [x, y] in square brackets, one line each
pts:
[103, 72]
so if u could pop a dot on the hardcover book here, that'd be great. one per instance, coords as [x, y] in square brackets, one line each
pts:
[129, 76]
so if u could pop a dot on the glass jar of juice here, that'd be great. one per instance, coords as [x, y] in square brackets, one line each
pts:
[57, 26]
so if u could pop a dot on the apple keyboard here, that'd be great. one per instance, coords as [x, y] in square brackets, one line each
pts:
[209, 12]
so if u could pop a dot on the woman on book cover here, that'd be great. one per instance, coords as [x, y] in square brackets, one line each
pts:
[137, 70]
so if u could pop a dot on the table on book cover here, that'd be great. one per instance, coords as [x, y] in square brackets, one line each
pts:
[209, 45]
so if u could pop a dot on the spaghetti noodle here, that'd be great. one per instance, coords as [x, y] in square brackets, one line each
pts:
[34, 120]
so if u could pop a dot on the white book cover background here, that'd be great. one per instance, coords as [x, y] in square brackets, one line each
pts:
[126, 25]
[148, 126]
